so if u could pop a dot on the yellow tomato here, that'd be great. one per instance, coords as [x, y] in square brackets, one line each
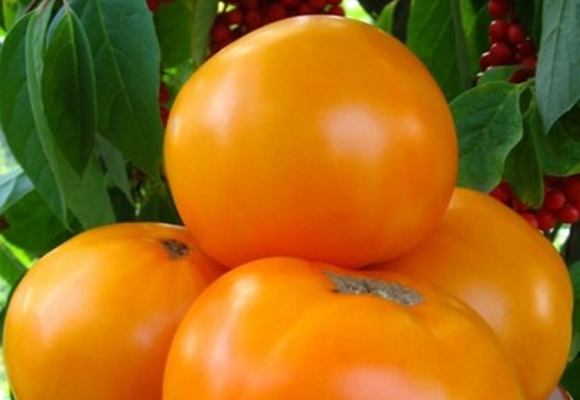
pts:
[317, 137]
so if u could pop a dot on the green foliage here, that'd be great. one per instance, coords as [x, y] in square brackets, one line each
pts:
[558, 81]
[489, 126]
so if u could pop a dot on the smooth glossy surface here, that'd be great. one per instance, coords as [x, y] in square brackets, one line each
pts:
[277, 329]
[94, 318]
[491, 258]
[315, 136]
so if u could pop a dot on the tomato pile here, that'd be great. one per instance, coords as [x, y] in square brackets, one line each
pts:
[325, 254]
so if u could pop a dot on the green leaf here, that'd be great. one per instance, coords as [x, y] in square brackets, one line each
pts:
[115, 166]
[17, 122]
[86, 196]
[126, 59]
[476, 21]
[11, 268]
[435, 34]
[68, 90]
[13, 186]
[522, 168]
[173, 23]
[386, 17]
[33, 227]
[557, 78]
[203, 15]
[571, 378]
[497, 74]
[560, 149]
[489, 125]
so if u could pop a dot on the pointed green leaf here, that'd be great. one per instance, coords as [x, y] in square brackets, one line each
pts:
[86, 196]
[126, 59]
[522, 168]
[17, 122]
[557, 77]
[11, 268]
[13, 186]
[203, 15]
[435, 34]
[560, 149]
[68, 90]
[386, 17]
[489, 125]
[173, 23]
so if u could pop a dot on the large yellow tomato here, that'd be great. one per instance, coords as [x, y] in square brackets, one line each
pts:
[489, 257]
[93, 319]
[318, 137]
[286, 329]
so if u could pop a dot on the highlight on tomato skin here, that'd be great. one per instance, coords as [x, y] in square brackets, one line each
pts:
[489, 257]
[317, 137]
[93, 319]
[285, 328]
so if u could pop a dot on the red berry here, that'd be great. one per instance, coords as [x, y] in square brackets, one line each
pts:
[485, 61]
[498, 30]
[568, 214]
[164, 112]
[516, 33]
[500, 54]
[498, 9]
[164, 93]
[152, 4]
[220, 32]
[252, 19]
[571, 188]
[304, 8]
[546, 219]
[554, 200]
[334, 2]
[521, 75]
[276, 11]
[526, 48]
[502, 192]
[316, 5]
[250, 4]
[336, 10]
[530, 61]
[233, 17]
[531, 218]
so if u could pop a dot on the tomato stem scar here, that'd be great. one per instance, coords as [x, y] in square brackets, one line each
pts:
[175, 249]
[392, 291]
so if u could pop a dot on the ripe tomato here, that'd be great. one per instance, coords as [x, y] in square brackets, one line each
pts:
[316, 137]
[283, 328]
[93, 319]
[490, 258]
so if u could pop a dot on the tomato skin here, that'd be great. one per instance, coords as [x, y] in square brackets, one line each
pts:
[489, 257]
[317, 137]
[276, 328]
[93, 319]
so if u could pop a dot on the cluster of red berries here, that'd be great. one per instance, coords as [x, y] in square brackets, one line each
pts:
[238, 17]
[155, 4]
[509, 43]
[561, 202]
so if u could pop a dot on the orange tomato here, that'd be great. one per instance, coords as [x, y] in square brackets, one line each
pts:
[489, 257]
[93, 319]
[317, 137]
[283, 328]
